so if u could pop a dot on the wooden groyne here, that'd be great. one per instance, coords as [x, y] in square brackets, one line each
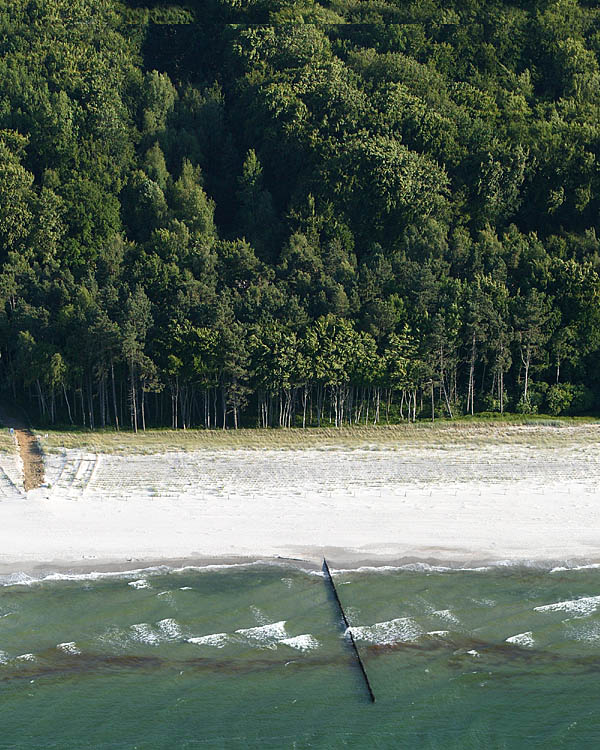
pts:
[359, 660]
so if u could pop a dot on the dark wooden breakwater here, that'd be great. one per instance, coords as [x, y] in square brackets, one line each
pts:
[329, 580]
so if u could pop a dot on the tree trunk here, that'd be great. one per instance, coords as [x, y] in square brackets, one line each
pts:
[443, 384]
[471, 392]
[42, 400]
[319, 404]
[114, 393]
[102, 397]
[304, 400]
[133, 397]
[143, 409]
[68, 404]
[526, 362]
[432, 403]
[91, 402]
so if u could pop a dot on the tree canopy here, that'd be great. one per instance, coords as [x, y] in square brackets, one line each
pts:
[296, 212]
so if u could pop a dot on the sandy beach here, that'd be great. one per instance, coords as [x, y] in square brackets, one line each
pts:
[458, 501]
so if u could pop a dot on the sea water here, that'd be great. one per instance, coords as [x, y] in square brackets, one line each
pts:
[255, 656]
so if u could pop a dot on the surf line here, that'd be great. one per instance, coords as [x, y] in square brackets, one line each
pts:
[329, 579]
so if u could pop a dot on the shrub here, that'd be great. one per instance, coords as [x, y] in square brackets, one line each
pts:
[535, 398]
[524, 406]
[584, 399]
[559, 398]
[491, 403]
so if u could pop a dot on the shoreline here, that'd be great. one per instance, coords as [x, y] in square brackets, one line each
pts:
[338, 560]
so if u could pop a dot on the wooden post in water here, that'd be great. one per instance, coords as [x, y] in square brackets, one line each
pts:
[329, 579]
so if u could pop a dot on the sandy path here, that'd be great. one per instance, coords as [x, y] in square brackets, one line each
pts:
[29, 450]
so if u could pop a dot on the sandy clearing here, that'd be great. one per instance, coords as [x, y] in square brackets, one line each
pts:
[458, 502]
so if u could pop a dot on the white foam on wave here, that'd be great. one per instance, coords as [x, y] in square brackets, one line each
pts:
[16, 579]
[21, 578]
[24, 579]
[277, 563]
[414, 567]
[582, 607]
[305, 642]
[169, 629]
[3, 657]
[25, 657]
[446, 614]
[185, 588]
[563, 568]
[69, 647]
[353, 613]
[259, 615]
[218, 640]
[143, 632]
[265, 636]
[424, 567]
[588, 632]
[390, 631]
[115, 638]
[142, 583]
[421, 567]
[525, 639]
[438, 632]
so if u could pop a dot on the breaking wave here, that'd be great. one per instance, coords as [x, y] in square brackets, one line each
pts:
[522, 639]
[582, 607]
[390, 631]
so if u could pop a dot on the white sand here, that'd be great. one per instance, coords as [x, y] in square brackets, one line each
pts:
[464, 503]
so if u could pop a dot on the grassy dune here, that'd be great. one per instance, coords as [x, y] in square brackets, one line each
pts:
[7, 442]
[531, 431]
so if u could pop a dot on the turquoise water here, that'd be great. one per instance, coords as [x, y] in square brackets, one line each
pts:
[254, 657]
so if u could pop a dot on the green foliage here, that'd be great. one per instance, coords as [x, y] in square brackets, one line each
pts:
[559, 398]
[283, 212]
[16, 197]
[189, 202]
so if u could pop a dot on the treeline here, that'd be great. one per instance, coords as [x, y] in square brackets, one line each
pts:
[287, 212]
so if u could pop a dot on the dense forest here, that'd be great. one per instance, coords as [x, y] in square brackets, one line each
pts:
[298, 212]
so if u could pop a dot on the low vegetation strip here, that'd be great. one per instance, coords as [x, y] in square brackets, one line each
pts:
[525, 431]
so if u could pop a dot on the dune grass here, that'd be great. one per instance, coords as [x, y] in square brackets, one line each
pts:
[7, 441]
[521, 430]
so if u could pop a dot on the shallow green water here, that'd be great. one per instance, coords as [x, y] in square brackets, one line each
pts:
[254, 657]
